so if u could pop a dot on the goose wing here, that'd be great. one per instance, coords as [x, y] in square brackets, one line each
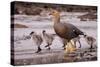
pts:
[73, 29]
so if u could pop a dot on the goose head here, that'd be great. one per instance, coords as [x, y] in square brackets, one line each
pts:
[56, 15]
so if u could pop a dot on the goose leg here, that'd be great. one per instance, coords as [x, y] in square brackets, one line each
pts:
[75, 44]
[69, 47]
[39, 49]
[72, 47]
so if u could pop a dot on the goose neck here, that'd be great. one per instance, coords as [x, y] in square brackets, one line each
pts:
[57, 19]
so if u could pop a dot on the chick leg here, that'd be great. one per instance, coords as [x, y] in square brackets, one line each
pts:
[48, 46]
[91, 46]
[39, 49]
[79, 43]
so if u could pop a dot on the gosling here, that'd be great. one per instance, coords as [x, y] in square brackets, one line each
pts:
[90, 40]
[48, 39]
[37, 39]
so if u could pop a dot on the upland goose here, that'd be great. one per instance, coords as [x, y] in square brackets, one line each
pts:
[66, 30]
